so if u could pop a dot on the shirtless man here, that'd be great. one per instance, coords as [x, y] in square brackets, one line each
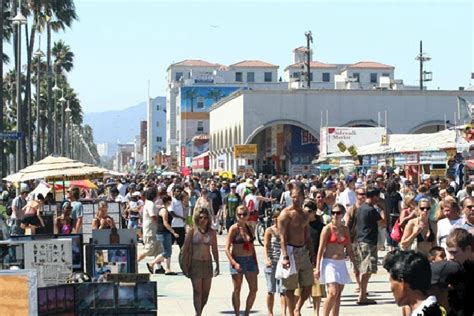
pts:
[295, 240]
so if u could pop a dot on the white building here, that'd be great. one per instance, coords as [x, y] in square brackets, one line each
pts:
[285, 124]
[193, 86]
[156, 128]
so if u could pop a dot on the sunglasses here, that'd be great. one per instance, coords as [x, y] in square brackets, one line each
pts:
[336, 213]
[424, 208]
[470, 206]
[358, 193]
[309, 210]
[242, 214]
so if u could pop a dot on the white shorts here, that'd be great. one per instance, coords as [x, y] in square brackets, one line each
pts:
[334, 271]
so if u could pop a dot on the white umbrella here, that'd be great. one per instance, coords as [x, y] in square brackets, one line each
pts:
[56, 168]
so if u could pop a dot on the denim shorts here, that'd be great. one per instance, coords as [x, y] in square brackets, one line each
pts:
[132, 223]
[166, 242]
[273, 285]
[247, 264]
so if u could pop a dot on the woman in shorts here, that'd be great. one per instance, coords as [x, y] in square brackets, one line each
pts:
[33, 219]
[240, 251]
[200, 241]
[331, 264]
[271, 255]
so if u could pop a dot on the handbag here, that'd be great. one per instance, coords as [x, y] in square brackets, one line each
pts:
[396, 233]
[185, 260]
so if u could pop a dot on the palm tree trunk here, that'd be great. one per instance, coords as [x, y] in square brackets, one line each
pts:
[50, 91]
[3, 161]
[29, 56]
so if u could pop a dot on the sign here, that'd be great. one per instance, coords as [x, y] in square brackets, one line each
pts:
[18, 290]
[350, 136]
[11, 135]
[183, 156]
[52, 259]
[433, 157]
[245, 151]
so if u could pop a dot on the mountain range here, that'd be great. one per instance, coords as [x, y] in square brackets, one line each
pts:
[119, 126]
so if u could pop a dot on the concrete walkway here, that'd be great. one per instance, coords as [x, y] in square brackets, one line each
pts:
[175, 292]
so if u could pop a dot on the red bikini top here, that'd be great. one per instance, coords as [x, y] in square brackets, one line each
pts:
[333, 238]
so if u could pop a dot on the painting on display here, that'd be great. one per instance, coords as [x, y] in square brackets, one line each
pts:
[52, 259]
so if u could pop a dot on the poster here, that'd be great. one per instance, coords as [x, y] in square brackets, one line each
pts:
[113, 259]
[51, 258]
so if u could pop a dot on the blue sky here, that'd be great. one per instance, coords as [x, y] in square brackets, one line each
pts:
[120, 45]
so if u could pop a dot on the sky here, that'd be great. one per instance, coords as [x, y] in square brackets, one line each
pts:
[122, 45]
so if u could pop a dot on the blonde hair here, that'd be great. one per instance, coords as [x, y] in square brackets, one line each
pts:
[449, 200]
[240, 208]
[408, 201]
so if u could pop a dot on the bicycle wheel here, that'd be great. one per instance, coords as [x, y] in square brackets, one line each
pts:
[260, 229]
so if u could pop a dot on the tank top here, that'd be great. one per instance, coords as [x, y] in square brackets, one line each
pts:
[161, 229]
[274, 250]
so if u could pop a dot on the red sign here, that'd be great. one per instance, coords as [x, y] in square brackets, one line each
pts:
[183, 156]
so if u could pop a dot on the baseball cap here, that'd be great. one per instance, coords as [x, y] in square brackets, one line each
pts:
[330, 184]
[137, 193]
[348, 179]
[233, 185]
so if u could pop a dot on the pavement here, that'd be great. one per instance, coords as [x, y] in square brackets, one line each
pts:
[175, 292]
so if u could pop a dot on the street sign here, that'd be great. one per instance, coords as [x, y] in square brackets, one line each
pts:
[245, 151]
[11, 135]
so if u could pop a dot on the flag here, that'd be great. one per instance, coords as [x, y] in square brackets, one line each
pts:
[464, 111]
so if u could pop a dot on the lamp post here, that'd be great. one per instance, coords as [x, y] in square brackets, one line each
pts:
[39, 54]
[62, 101]
[67, 112]
[18, 21]
[55, 117]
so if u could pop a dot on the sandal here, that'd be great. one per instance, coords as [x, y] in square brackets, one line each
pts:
[367, 302]
[171, 273]
[150, 268]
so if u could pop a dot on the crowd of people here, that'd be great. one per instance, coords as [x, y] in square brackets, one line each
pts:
[318, 222]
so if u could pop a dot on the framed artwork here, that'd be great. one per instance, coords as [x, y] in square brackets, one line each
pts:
[114, 258]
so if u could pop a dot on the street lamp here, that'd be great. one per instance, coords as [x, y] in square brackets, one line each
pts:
[55, 117]
[67, 112]
[18, 21]
[39, 54]
[62, 100]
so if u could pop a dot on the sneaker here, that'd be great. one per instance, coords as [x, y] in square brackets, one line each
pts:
[160, 271]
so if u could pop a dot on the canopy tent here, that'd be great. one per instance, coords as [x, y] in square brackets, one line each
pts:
[56, 168]
[85, 184]
[404, 143]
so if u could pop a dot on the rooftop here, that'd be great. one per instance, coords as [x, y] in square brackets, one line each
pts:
[370, 65]
[253, 64]
[314, 64]
[194, 63]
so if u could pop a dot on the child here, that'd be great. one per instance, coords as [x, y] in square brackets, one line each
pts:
[436, 254]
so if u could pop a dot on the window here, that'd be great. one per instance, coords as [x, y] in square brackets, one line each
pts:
[373, 77]
[238, 76]
[296, 74]
[356, 76]
[385, 74]
[200, 126]
[158, 107]
[157, 123]
[268, 77]
[159, 139]
[200, 102]
[326, 77]
[250, 77]
[177, 76]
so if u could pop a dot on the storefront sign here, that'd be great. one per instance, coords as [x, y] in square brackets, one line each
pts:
[349, 136]
[433, 157]
[438, 173]
[245, 151]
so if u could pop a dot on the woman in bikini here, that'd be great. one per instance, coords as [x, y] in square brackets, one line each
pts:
[63, 223]
[330, 264]
[197, 260]
[240, 251]
[420, 232]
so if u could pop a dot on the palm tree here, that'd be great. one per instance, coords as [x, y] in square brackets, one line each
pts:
[191, 94]
[215, 94]
[6, 30]
[52, 15]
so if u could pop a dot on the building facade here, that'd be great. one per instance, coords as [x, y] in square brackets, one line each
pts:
[156, 129]
[285, 124]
